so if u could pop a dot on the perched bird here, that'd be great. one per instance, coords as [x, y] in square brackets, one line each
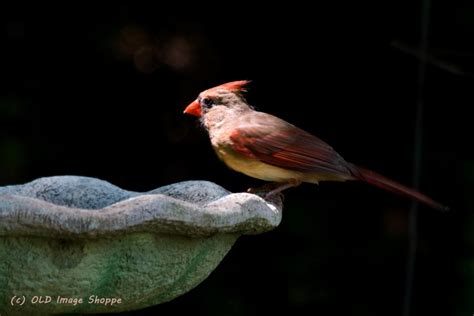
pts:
[266, 147]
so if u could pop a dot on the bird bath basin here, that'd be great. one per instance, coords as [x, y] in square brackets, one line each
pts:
[82, 245]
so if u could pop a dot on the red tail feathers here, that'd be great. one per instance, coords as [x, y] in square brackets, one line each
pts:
[390, 185]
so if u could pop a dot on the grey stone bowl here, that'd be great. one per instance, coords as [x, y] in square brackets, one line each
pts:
[81, 245]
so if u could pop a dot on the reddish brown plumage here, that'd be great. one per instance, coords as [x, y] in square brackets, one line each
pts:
[234, 86]
[282, 144]
[266, 147]
[382, 182]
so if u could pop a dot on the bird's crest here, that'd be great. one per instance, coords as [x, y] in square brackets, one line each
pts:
[234, 86]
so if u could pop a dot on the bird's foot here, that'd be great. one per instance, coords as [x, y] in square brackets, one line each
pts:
[263, 189]
[280, 187]
[270, 190]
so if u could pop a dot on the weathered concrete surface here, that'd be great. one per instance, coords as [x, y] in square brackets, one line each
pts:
[78, 237]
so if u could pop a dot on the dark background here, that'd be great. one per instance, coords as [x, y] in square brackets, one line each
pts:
[98, 90]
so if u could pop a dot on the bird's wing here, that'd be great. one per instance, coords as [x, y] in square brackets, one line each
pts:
[279, 143]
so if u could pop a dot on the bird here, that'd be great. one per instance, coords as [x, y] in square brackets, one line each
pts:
[263, 146]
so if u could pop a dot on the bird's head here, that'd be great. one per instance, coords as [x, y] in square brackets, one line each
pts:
[226, 98]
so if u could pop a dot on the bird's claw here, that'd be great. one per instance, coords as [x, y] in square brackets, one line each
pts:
[267, 192]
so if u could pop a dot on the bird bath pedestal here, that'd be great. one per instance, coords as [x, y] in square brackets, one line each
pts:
[81, 245]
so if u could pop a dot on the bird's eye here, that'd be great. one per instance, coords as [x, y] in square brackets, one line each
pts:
[206, 102]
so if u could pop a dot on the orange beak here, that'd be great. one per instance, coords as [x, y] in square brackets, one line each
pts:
[193, 109]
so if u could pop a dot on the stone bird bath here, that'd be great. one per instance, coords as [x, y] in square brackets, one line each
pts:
[63, 239]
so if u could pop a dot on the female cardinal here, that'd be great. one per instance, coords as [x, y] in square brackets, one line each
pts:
[265, 147]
